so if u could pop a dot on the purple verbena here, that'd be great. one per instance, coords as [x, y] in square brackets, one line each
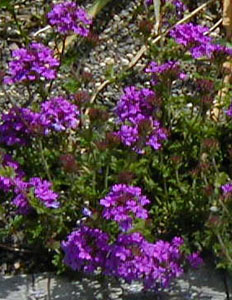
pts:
[41, 190]
[16, 126]
[195, 260]
[123, 204]
[31, 64]
[132, 257]
[69, 17]
[168, 71]
[229, 111]
[136, 112]
[19, 125]
[86, 249]
[190, 35]
[227, 189]
[58, 114]
[6, 179]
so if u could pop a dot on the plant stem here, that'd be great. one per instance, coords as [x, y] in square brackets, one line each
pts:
[22, 33]
[46, 167]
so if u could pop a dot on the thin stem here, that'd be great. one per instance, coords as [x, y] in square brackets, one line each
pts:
[22, 33]
[61, 54]
[106, 176]
[224, 247]
[46, 167]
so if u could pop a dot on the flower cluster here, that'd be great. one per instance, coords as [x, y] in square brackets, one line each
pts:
[20, 124]
[168, 71]
[227, 189]
[130, 256]
[17, 126]
[123, 204]
[58, 114]
[229, 111]
[9, 169]
[32, 63]
[180, 8]
[86, 249]
[136, 109]
[69, 17]
[194, 37]
[14, 181]
[41, 191]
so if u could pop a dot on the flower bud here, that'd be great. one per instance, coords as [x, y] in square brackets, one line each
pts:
[68, 162]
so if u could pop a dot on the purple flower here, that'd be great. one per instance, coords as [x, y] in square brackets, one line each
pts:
[43, 192]
[6, 180]
[136, 109]
[17, 126]
[190, 35]
[146, 133]
[229, 111]
[195, 260]
[227, 189]
[123, 204]
[131, 257]
[69, 17]
[31, 64]
[21, 200]
[134, 105]
[148, 2]
[58, 114]
[86, 249]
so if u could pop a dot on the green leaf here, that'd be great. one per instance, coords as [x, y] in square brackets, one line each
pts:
[6, 4]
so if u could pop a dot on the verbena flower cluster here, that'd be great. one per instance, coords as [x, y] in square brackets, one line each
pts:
[229, 111]
[194, 37]
[86, 249]
[12, 179]
[32, 63]
[41, 190]
[227, 189]
[69, 17]
[9, 169]
[136, 109]
[20, 124]
[16, 126]
[58, 114]
[123, 204]
[130, 257]
[168, 71]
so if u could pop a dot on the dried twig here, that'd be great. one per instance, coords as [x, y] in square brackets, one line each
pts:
[15, 249]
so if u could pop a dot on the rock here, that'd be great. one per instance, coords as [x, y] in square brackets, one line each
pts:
[203, 284]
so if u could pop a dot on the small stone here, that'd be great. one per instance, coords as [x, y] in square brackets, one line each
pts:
[125, 61]
[117, 18]
[109, 61]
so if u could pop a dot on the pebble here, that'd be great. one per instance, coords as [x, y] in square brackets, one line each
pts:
[125, 61]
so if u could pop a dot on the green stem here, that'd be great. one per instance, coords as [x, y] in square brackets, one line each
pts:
[22, 33]
[106, 176]
[46, 167]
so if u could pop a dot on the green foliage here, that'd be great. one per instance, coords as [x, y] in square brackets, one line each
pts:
[183, 180]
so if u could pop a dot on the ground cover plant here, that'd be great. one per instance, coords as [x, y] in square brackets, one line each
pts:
[135, 188]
